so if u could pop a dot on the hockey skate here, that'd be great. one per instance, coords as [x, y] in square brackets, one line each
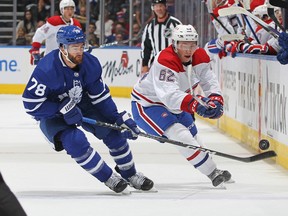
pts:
[117, 184]
[219, 177]
[140, 182]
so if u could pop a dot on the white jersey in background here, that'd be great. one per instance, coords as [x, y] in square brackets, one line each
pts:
[48, 32]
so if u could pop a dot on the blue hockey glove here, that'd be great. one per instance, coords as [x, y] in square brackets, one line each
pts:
[218, 101]
[201, 110]
[283, 40]
[125, 120]
[282, 56]
[71, 113]
[35, 55]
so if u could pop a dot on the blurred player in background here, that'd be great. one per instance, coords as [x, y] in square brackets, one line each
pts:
[282, 55]
[9, 204]
[48, 31]
[162, 100]
[156, 33]
[66, 84]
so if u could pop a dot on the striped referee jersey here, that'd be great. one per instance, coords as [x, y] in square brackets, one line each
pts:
[154, 40]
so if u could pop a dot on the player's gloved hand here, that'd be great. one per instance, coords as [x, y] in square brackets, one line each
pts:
[222, 53]
[234, 47]
[71, 113]
[283, 40]
[252, 48]
[218, 101]
[125, 120]
[35, 55]
[201, 110]
[282, 56]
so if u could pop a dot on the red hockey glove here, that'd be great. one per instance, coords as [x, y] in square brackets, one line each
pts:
[35, 53]
[234, 47]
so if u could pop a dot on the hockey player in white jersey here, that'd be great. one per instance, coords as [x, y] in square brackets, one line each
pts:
[48, 31]
[162, 102]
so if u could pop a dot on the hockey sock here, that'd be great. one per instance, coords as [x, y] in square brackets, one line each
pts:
[120, 151]
[77, 146]
[199, 159]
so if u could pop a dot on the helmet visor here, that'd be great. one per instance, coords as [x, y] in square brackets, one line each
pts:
[76, 48]
[187, 47]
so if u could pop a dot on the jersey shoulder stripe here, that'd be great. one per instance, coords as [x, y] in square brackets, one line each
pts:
[169, 58]
[200, 56]
[175, 20]
[55, 21]
[76, 23]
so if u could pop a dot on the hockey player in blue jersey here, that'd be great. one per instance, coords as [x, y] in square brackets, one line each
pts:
[67, 85]
[282, 55]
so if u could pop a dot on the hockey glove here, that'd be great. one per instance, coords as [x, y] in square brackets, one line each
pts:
[125, 120]
[282, 56]
[71, 113]
[218, 101]
[283, 40]
[35, 53]
[201, 110]
[234, 47]
[222, 53]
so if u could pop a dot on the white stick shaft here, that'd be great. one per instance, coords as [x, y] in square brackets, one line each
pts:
[239, 10]
[231, 37]
[189, 72]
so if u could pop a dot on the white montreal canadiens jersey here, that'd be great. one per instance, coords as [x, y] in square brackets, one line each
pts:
[167, 83]
[49, 30]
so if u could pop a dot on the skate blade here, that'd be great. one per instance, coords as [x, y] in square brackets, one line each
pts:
[221, 186]
[126, 191]
[152, 190]
[231, 181]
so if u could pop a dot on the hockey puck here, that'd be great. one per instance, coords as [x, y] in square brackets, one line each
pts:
[264, 144]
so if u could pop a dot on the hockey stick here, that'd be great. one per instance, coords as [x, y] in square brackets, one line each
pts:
[240, 10]
[201, 102]
[279, 3]
[115, 43]
[231, 37]
[246, 5]
[253, 158]
[271, 14]
[210, 11]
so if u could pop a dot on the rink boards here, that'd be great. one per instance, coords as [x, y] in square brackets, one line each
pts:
[254, 89]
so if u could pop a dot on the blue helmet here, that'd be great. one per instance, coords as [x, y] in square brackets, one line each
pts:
[70, 35]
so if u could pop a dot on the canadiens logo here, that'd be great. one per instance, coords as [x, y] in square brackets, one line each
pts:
[46, 30]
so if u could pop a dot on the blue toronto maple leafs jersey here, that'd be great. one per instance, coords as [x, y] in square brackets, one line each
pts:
[52, 80]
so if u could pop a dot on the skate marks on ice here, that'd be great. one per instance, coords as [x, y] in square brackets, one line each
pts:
[166, 191]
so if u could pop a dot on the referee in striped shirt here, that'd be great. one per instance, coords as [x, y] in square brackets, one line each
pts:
[156, 33]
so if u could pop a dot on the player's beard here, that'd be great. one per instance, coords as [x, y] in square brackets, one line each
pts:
[76, 59]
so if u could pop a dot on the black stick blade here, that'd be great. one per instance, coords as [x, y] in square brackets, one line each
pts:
[261, 156]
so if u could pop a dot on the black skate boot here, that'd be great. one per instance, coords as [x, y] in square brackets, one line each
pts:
[116, 183]
[141, 182]
[219, 176]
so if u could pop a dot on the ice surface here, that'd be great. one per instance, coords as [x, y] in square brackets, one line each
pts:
[49, 183]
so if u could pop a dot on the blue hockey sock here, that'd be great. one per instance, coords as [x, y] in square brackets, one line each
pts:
[77, 146]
